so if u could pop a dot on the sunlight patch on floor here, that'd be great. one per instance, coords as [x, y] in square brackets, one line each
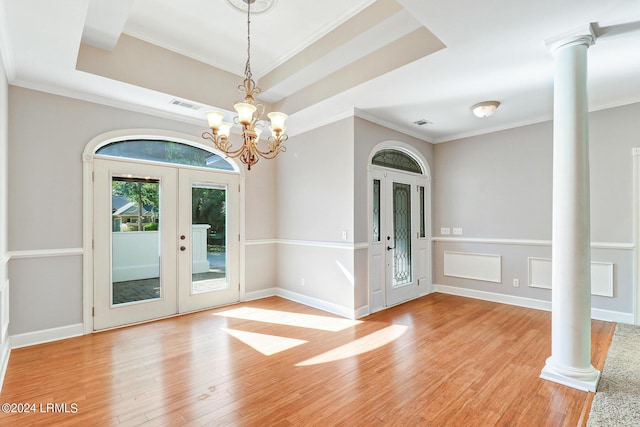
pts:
[359, 346]
[323, 323]
[265, 344]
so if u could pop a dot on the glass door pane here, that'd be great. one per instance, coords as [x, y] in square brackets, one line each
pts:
[376, 210]
[209, 238]
[135, 240]
[402, 234]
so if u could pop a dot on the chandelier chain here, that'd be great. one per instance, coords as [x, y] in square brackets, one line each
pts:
[247, 67]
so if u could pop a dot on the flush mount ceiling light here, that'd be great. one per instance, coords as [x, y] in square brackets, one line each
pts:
[485, 109]
[257, 6]
[249, 116]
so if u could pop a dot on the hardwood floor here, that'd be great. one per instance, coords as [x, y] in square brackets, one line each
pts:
[441, 360]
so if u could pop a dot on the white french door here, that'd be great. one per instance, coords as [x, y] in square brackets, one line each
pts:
[399, 241]
[165, 241]
[210, 270]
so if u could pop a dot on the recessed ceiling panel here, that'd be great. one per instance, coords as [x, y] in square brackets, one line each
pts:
[214, 32]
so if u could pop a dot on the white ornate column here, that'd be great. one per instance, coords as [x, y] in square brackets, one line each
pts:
[570, 361]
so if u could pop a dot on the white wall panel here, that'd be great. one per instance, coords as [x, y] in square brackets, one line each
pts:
[601, 276]
[483, 267]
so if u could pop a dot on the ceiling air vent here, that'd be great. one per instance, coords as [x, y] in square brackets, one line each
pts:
[184, 104]
[423, 122]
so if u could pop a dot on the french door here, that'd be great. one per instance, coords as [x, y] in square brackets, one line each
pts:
[165, 241]
[399, 238]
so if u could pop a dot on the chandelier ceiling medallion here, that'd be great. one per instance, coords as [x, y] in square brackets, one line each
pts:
[249, 114]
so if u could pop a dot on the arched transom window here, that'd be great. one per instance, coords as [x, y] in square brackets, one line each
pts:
[165, 152]
[396, 159]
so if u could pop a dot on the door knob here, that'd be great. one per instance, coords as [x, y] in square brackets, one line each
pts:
[389, 248]
[182, 237]
[182, 248]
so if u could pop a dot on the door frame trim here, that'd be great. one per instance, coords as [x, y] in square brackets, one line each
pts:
[87, 203]
[636, 235]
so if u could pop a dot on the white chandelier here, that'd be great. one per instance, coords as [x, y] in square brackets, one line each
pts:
[250, 117]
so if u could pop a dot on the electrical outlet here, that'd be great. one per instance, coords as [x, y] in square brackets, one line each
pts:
[516, 283]
[445, 230]
[457, 231]
[344, 235]
[302, 282]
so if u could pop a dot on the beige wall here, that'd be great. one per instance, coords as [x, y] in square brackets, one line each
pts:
[45, 201]
[495, 186]
[322, 190]
[315, 185]
[261, 221]
[499, 186]
[315, 204]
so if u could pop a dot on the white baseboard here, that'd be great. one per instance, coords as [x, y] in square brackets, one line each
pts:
[317, 303]
[361, 312]
[428, 291]
[494, 297]
[263, 293]
[309, 301]
[47, 335]
[596, 313]
[612, 316]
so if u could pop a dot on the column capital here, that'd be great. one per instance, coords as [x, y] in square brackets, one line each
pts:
[584, 35]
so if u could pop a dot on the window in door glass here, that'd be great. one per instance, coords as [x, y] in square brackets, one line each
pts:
[423, 230]
[376, 210]
[402, 264]
[209, 237]
[165, 152]
[135, 240]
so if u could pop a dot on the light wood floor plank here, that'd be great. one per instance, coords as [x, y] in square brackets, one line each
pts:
[439, 360]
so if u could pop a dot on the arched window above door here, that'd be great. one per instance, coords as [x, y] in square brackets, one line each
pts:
[396, 159]
[164, 151]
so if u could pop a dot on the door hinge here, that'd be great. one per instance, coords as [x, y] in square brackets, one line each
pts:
[93, 244]
[238, 287]
[238, 188]
[93, 176]
[93, 312]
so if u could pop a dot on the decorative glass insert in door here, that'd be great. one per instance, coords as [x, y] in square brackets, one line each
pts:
[395, 159]
[135, 240]
[209, 238]
[402, 234]
[423, 229]
[376, 210]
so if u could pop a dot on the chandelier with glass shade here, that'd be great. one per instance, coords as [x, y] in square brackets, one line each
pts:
[249, 116]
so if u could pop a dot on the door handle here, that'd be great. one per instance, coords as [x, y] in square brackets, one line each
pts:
[389, 248]
[183, 248]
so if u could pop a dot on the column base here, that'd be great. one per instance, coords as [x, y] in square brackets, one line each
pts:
[581, 379]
